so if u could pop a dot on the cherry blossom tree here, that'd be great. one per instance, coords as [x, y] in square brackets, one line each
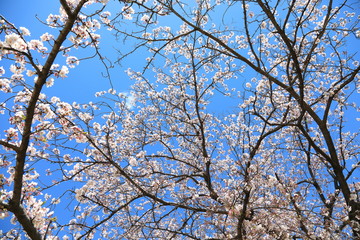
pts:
[241, 124]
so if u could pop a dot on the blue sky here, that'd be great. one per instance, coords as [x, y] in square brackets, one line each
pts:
[85, 79]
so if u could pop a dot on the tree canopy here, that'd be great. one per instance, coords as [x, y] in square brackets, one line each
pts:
[241, 122]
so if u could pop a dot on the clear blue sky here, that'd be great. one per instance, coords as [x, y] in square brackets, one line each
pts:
[85, 79]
